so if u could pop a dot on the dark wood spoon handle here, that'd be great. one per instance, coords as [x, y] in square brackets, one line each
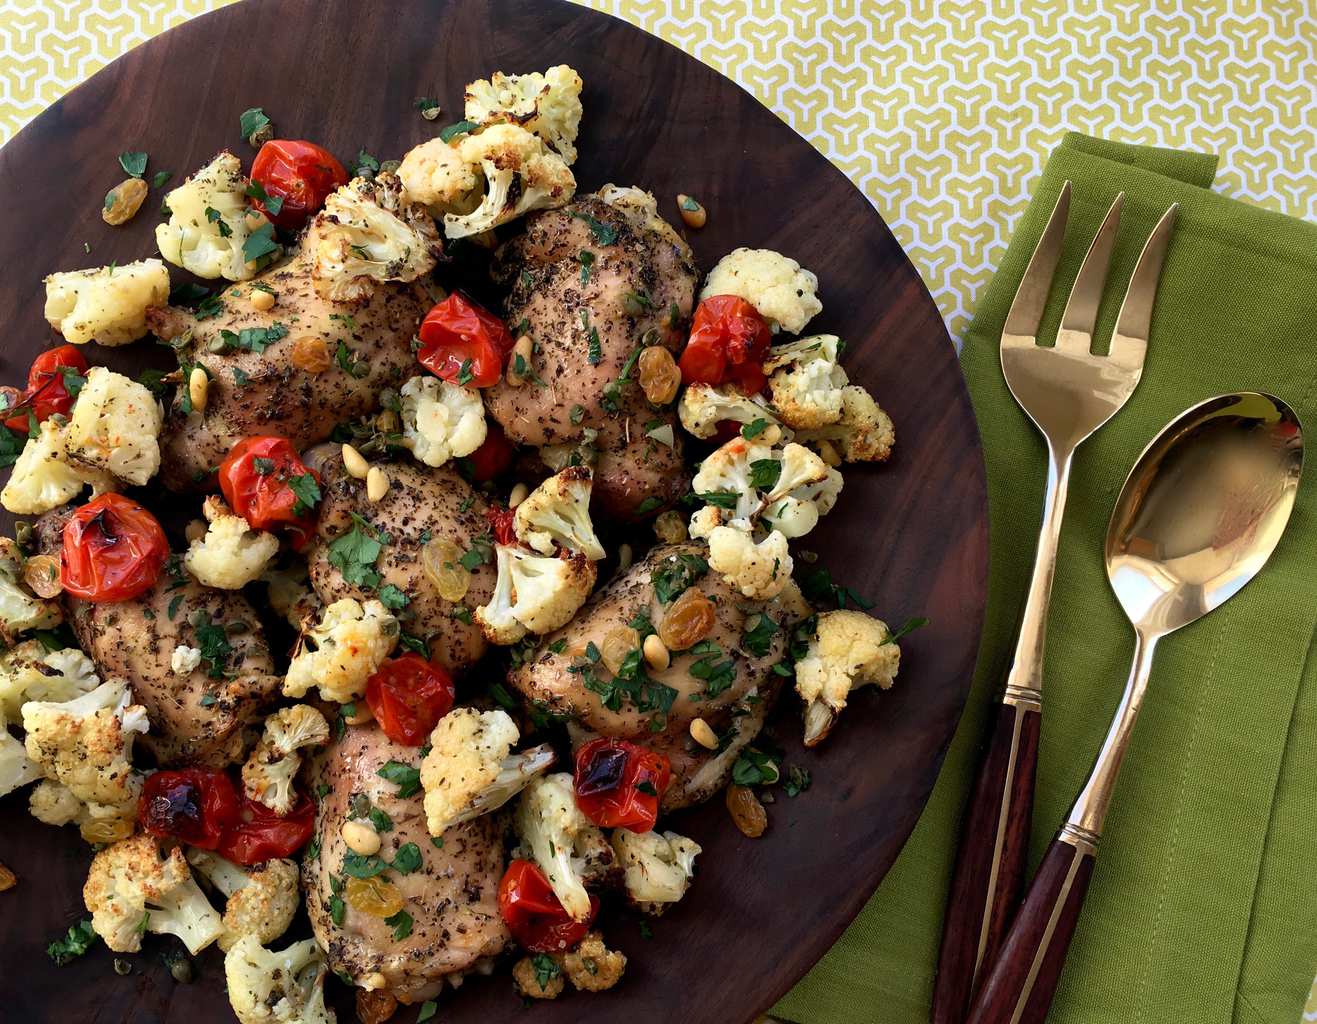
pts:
[1019, 986]
[994, 844]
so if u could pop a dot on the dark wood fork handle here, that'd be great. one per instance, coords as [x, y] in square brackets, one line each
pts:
[1019, 986]
[994, 844]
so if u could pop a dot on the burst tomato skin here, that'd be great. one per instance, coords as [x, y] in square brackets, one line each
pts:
[728, 343]
[408, 696]
[194, 805]
[265, 499]
[619, 784]
[46, 392]
[534, 915]
[500, 523]
[457, 332]
[258, 834]
[300, 173]
[113, 549]
[494, 455]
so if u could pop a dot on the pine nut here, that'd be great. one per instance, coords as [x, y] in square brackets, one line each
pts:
[361, 838]
[377, 483]
[253, 220]
[624, 557]
[693, 215]
[361, 714]
[828, 453]
[198, 388]
[262, 300]
[354, 463]
[518, 495]
[772, 434]
[656, 653]
[373, 981]
[703, 734]
[195, 530]
[523, 350]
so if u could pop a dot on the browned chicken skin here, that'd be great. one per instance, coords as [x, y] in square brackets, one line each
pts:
[452, 897]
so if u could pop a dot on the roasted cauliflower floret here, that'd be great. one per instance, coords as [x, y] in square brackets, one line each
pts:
[54, 804]
[20, 610]
[743, 481]
[29, 672]
[269, 771]
[134, 886]
[778, 287]
[592, 966]
[794, 513]
[342, 651]
[16, 768]
[435, 175]
[703, 407]
[509, 154]
[557, 512]
[115, 427]
[368, 232]
[848, 649]
[657, 869]
[210, 222]
[570, 850]
[45, 478]
[641, 209]
[277, 987]
[864, 433]
[758, 570]
[105, 304]
[441, 420]
[547, 104]
[805, 381]
[261, 900]
[231, 554]
[534, 593]
[471, 770]
[538, 977]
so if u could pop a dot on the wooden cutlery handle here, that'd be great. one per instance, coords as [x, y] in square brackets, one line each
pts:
[1019, 986]
[990, 863]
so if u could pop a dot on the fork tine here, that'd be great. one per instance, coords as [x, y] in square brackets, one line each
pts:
[1030, 300]
[1129, 342]
[1081, 308]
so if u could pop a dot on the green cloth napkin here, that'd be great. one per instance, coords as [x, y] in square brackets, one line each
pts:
[1203, 905]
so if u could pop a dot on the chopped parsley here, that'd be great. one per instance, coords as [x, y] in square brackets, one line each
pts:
[355, 552]
[392, 597]
[348, 362]
[133, 164]
[576, 414]
[401, 923]
[240, 378]
[718, 676]
[306, 491]
[404, 776]
[272, 204]
[252, 121]
[259, 244]
[636, 303]
[765, 473]
[546, 969]
[356, 865]
[160, 177]
[759, 639]
[650, 504]
[451, 132]
[213, 641]
[408, 857]
[586, 258]
[798, 780]
[263, 466]
[604, 234]
[676, 574]
[428, 1009]
[79, 939]
[908, 626]
[73, 380]
[253, 339]
[480, 552]
[720, 499]
[428, 107]
[464, 374]
[818, 588]
[755, 768]
[174, 602]
[215, 217]
[416, 644]
[367, 166]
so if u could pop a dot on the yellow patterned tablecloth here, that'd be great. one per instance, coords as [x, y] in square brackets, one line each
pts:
[941, 111]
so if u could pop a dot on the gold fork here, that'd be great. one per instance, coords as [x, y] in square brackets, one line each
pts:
[1069, 393]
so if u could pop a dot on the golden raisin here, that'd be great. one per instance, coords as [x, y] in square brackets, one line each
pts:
[670, 527]
[375, 1007]
[688, 621]
[441, 562]
[747, 812]
[311, 354]
[123, 201]
[7, 878]
[107, 830]
[659, 376]
[616, 646]
[41, 574]
[374, 896]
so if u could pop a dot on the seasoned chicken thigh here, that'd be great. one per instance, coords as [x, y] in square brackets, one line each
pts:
[451, 897]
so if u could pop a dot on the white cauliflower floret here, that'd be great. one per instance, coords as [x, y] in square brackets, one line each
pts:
[105, 304]
[231, 554]
[641, 209]
[726, 472]
[20, 610]
[342, 652]
[54, 804]
[558, 512]
[134, 887]
[435, 174]
[534, 592]
[185, 660]
[506, 154]
[805, 381]
[368, 232]
[261, 900]
[703, 407]
[788, 488]
[758, 570]
[782, 291]
[210, 222]
[29, 672]
[115, 427]
[567, 846]
[277, 987]
[269, 771]
[547, 104]
[45, 478]
[16, 768]
[848, 649]
[794, 514]
[441, 420]
[864, 433]
[470, 769]
[656, 868]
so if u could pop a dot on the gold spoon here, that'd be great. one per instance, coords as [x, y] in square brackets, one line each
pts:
[1199, 515]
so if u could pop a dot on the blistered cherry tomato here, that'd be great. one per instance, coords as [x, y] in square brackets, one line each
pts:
[500, 522]
[193, 805]
[300, 173]
[493, 456]
[619, 784]
[113, 550]
[47, 392]
[728, 343]
[457, 333]
[257, 481]
[408, 696]
[534, 915]
[259, 834]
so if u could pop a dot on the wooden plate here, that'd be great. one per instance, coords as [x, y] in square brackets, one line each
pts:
[911, 535]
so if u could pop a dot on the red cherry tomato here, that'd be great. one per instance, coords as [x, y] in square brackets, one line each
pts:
[113, 550]
[259, 834]
[300, 173]
[459, 333]
[408, 696]
[255, 481]
[500, 522]
[492, 458]
[46, 392]
[194, 805]
[534, 915]
[619, 784]
[728, 343]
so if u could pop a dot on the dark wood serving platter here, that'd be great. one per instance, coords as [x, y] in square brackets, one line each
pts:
[910, 535]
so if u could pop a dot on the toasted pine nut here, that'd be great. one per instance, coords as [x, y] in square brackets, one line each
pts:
[7, 878]
[623, 557]
[355, 463]
[195, 530]
[374, 980]
[772, 434]
[692, 213]
[525, 350]
[828, 453]
[362, 715]
[262, 300]
[361, 838]
[703, 734]
[198, 388]
[656, 653]
[377, 483]
[518, 495]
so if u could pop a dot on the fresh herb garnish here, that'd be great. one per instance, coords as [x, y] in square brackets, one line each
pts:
[272, 204]
[753, 429]
[348, 362]
[367, 166]
[215, 217]
[306, 491]
[798, 780]
[759, 639]
[755, 768]
[213, 642]
[908, 626]
[408, 857]
[160, 177]
[676, 574]
[259, 244]
[133, 164]
[404, 776]
[452, 131]
[649, 505]
[818, 588]
[392, 597]
[464, 374]
[576, 414]
[586, 258]
[401, 923]
[79, 939]
[355, 552]
[546, 969]
[428, 107]
[254, 339]
[604, 234]
[765, 473]
[595, 352]
[720, 499]
[252, 121]
[356, 865]
[337, 908]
